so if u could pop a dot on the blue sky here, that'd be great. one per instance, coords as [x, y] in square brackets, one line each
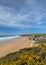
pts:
[22, 16]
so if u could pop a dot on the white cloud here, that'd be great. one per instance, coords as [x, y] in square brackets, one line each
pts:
[11, 18]
[8, 18]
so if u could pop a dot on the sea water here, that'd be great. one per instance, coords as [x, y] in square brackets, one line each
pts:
[7, 38]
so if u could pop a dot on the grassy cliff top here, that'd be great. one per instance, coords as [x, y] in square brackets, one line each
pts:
[26, 56]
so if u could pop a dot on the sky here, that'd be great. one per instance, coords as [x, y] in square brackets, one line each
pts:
[22, 16]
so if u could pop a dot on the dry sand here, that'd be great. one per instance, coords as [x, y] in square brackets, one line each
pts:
[14, 45]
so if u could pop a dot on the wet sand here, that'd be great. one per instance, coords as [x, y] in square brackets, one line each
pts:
[14, 45]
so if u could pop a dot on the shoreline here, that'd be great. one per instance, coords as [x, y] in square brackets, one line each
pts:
[8, 39]
[14, 45]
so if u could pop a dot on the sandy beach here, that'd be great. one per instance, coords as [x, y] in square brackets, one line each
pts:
[14, 45]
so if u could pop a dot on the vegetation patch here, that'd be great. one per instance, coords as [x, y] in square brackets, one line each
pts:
[26, 56]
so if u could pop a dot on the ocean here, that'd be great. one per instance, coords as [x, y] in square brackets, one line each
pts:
[5, 38]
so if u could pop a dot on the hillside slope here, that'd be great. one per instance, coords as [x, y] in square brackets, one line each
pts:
[26, 56]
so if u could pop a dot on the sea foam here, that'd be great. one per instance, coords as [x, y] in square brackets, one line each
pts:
[4, 39]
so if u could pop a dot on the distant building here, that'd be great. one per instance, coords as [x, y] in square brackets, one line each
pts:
[39, 38]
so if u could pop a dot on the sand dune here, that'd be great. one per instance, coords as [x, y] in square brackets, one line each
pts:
[14, 45]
